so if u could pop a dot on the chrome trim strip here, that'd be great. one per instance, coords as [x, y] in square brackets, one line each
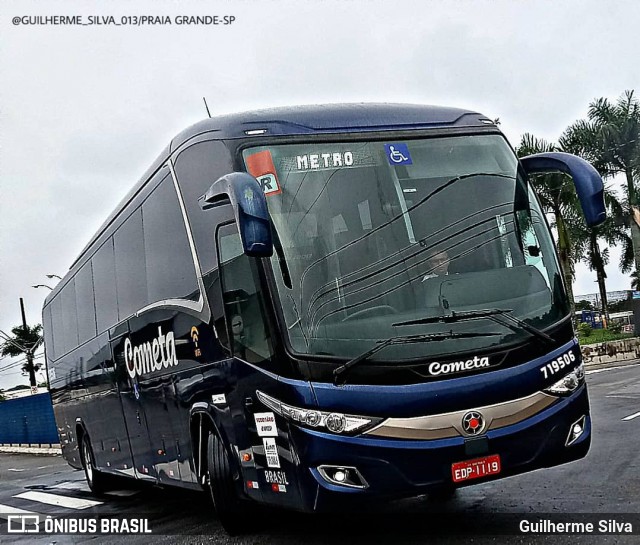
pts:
[441, 426]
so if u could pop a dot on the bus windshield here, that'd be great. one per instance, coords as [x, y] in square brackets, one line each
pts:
[374, 236]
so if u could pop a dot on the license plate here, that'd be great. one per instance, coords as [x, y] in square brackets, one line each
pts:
[475, 469]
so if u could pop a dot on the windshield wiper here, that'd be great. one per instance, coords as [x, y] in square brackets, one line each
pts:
[405, 339]
[500, 316]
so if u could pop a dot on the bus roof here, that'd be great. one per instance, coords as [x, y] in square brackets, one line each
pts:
[301, 120]
[332, 118]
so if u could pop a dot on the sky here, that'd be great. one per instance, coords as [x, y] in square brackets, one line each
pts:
[85, 109]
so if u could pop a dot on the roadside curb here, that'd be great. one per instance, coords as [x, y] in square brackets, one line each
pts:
[611, 362]
[48, 450]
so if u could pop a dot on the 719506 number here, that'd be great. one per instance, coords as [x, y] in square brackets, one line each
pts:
[558, 364]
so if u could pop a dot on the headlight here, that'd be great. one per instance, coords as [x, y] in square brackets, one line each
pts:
[569, 383]
[334, 422]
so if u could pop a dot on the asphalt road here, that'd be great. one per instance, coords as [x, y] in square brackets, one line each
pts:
[605, 483]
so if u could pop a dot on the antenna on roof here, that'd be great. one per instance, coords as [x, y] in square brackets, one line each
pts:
[207, 107]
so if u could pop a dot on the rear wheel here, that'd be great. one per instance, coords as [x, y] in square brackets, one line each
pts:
[222, 488]
[98, 482]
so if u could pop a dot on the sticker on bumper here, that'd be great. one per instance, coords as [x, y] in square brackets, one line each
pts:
[271, 452]
[266, 424]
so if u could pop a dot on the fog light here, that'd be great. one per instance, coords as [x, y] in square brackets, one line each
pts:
[340, 476]
[576, 430]
[343, 476]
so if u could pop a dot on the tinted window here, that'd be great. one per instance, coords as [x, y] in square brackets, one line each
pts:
[131, 277]
[85, 303]
[170, 271]
[58, 328]
[104, 275]
[197, 168]
[69, 316]
[48, 332]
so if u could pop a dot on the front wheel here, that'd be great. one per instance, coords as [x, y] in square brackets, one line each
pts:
[222, 487]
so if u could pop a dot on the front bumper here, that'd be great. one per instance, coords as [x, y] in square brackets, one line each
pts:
[396, 468]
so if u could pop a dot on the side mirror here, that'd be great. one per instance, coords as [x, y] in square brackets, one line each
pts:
[588, 182]
[250, 208]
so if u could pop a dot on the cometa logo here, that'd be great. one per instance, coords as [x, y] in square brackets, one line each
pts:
[150, 356]
[437, 368]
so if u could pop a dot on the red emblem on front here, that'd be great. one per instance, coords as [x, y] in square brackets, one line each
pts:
[473, 423]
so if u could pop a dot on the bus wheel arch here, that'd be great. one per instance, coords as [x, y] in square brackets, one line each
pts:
[202, 425]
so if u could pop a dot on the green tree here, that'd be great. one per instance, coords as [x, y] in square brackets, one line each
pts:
[585, 329]
[587, 244]
[621, 306]
[610, 139]
[576, 241]
[583, 304]
[24, 342]
[583, 140]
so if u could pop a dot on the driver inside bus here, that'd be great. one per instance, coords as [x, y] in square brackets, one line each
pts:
[437, 264]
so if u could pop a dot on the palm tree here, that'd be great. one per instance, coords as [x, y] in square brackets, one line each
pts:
[576, 241]
[587, 247]
[586, 243]
[557, 196]
[610, 140]
[24, 340]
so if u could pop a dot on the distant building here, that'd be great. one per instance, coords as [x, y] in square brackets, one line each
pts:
[612, 297]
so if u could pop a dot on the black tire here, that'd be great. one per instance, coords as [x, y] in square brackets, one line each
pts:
[98, 482]
[222, 488]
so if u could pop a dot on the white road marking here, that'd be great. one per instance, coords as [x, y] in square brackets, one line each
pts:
[16, 470]
[631, 416]
[7, 510]
[56, 499]
[594, 371]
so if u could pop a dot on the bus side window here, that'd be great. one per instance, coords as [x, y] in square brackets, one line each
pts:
[533, 253]
[242, 298]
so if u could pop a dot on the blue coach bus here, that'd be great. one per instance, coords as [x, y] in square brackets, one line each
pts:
[304, 305]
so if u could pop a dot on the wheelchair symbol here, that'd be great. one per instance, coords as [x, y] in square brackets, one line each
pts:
[396, 156]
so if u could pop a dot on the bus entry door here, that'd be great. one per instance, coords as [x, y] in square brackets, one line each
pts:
[133, 408]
